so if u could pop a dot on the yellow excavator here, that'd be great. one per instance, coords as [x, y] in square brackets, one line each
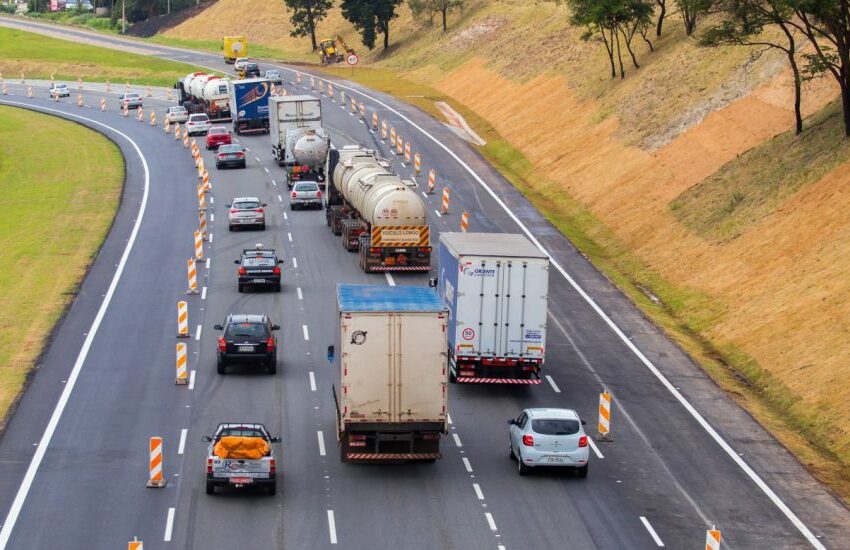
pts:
[334, 50]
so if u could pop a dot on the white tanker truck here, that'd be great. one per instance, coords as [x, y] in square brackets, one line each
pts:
[204, 93]
[299, 142]
[376, 212]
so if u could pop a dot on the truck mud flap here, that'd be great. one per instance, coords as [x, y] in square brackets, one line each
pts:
[360, 457]
[522, 381]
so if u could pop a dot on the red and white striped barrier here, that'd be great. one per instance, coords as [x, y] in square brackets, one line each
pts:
[331, 90]
[408, 152]
[80, 100]
[135, 544]
[155, 477]
[199, 246]
[202, 223]
[103, 104]
[417, 164]
[362, 108]
[604, 415]
[321, 87]
[202, 198]
[399, 143]
[167, 126]
[393, 138]
[374, 121]
[298, 77]
[182, 320]
[176, 132]
[153, 117]
[181, 378]
[192, 276]
[140, 114]
[464, 222]
[312, 82]
[432, 181]
[383, 129]
[124, 111]
[444, 209]
[29, 91]
[712, 539]
[353, 106]
[517, 381]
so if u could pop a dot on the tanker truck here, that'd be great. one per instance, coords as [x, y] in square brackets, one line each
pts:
[299, 142]
[376, 212]
[204, 93]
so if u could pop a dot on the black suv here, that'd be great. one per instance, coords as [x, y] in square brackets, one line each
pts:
[250, 70]
[247, 340]
[259, 267]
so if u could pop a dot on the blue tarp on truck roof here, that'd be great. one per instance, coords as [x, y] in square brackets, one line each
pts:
[388, 298]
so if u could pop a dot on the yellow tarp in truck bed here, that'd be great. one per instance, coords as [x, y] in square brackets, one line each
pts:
[243, 448]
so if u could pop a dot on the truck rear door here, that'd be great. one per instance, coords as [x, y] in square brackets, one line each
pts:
[419, 367]
[366, 367]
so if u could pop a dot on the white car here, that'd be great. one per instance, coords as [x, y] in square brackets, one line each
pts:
[198, 124]
[246, 211]
[176, 115]
[549, 437]
[59, 90]
[273, 75]
[305, 194]
[240, 62]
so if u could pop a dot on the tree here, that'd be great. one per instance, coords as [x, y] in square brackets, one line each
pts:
[826, 24]
[371, 17]
[744, 24]
[306, 14]
[691, 10]
[662, 11]
[433, 7]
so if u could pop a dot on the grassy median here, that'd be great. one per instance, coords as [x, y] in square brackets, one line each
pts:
[60, 184]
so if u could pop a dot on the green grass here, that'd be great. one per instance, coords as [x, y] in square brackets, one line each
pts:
[747, 189]
[55, 211]
[82, 19]
[41, 56]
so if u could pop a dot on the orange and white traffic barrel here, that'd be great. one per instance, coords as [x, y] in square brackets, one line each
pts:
[135, 544]
[80, 100]
[444, 209]
[182, 320]
[353, 106]
[176, 132]
[185, 138]
[155, 477]
[192, 276]
[125, 111]
[604, 415]
[140, 114]
[298, 77]
[362, 108]
[182, 360]
[29, 91]
[383, 129]
[321, 87]
[464, 222]
[167, 126]
[312, 82]
[432, 181]
[206, 181]
[108, 86]
[103, 104]
[712, 539]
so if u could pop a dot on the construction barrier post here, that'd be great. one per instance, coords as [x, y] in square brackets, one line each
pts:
[153, 117]
[108, 86]
[167, 126]
[444, 209]
[432, 181]
[155, 477]
[206, 181]
[103, 104]
[362, 108]
[135, 544]
[182, 358]
[199, 246]
[124, 111]
[80, 100]
[192, 275]
[399, 145]
[604, 415]
[321, 87]
[353, 106]
[79, 83]
[148, 92]
[312, 82]
[128, 87]
[182, 320]
[140, 114]
[712, 539]
[5, 89]
[374, 121]
[202, 198]
[168, 95]
[23, 78]
[331, 90]
[464, 222]
[407, 152]
[202, 223]
[298, 77]
[417, 164]
[273, 90]
[383, 129]
[342, 99]
[29, 91]
[176, 132]
[185, 139]
[393, 137]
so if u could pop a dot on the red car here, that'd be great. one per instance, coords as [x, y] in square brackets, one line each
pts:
[218, 135]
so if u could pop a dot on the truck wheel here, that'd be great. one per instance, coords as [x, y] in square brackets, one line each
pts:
[582, 472]
[210, 488]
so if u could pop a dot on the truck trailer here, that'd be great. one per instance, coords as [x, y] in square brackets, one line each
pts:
[234, 47]
[377, 213]
[496, 288]
[391, 402]
[204, 93]
[299, 142]
[249, 105]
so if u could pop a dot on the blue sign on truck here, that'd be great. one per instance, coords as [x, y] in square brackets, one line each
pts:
[249, 105]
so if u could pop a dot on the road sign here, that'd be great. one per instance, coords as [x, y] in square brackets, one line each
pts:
[353, 59]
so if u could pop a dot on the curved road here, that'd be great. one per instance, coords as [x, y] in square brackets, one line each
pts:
[684, 457]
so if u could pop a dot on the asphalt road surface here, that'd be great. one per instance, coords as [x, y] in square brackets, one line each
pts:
[683, 457]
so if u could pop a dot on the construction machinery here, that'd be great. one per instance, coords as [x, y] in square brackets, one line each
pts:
[334, 50]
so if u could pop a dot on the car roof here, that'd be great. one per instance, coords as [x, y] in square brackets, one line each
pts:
[177, 108]
[246, 318]
[568, 414]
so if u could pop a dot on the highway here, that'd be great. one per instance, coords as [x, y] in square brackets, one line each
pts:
[684, 457]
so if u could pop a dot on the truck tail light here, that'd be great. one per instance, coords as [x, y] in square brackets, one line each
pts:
[374, 250]
[209, 466]
[582, 441]
[425, 250]
[270, 344]
[353, 437]
[222, 344]
[242, 271]
[276, 271]
[528, 441]
[272, 466]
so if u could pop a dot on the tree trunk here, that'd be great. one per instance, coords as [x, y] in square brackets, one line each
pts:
[313, 36]
[845, 106]
[628, 40]
[385, 27]
[619, 53]
[444, 10]
[661, 14]
[609, 47]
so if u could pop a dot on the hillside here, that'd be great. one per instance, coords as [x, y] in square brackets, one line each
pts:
[669, 180]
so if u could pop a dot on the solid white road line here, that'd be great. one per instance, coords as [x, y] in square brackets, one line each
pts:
[306, 333]
[300, 295]
[198, 332]
[321, 443]
[169, 525]
[390, 280]
[490, 521]
[449, 419]
[294, 262]
[478, 493]
[332, 526]
[182, 445]
[47, 436]
[553, 384]
[595, 448]
[289, 236]
[204, 293]
[209, 260]
[457, 440]
[652, 532]
[467, 465]
[312, 381]
[191, 380]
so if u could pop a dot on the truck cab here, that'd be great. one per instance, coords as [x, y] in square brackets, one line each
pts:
[241, 455]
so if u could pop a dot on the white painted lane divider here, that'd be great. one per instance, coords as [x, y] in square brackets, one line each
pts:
[285, 217]
[198, 332]
[467, 465]
[321, 443]
[652, 533]
[281, 200]
[204, 293]
[312, 381]
[289, 236]
[596, 450]
[449, 419]
[490, 521]
[169, 525]
[332, 526]
[182, 445]
[478, 493]
[306, 333]
[390, 280]
[208, 262]
[437, 212]
[457, 440]
[192, 380]
[295, 262]
[553, 384]
[300, 295]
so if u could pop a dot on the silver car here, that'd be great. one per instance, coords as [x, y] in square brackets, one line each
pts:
[59, 90]
[273, 75]
[240, 62]
[198, 124]
[246, 212]
[549, 437]
[176, 115]
[130, 100]
[305, 194]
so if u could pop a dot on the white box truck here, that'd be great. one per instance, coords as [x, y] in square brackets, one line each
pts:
[299, 142]
[496, 287]
[391, 401]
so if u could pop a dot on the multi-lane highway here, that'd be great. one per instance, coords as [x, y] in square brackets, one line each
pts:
[684, 456]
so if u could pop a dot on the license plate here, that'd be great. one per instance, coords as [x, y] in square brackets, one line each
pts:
[241, 480]
[259, 280]
[248, 349]
[356, 443]
[557, 459]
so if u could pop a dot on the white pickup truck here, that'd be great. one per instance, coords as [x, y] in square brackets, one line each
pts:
[241, 455]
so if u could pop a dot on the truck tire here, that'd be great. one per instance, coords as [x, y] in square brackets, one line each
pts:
[333, 160]
[210, 488]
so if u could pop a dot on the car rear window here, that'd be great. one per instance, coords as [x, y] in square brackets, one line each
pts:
[246, 205]
[241, 432]
[245, 330]
[218, 131]
[132, 96]
[230, 149]
[554, 426]
[306, 187]
[199, 118]
[258, 262]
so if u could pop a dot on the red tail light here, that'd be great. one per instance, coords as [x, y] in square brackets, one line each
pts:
[276, 271]
[528, 441]
[222, 344]
[374, 250]
[582, 441]
[272, 466]
[209, 466]
[319, 194]
[260, 210]
[425, 249]
[233, 211]
[240, 154]
[270, 345]
[242, 271]
[294, 195]
[296, 169]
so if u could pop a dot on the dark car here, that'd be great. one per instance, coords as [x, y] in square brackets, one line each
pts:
[247, 340]
[230, 155]
[250, 70]
[259, 267]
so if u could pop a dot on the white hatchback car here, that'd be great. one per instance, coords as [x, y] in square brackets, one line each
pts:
[246, 212]
[176, 115]
[549, 437]
[198, 124]
[240, 61]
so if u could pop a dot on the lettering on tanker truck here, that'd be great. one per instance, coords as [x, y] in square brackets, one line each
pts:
[401, 236]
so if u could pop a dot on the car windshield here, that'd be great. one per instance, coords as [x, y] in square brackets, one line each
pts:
[555, 426]
[306, 187]
[246, 205]
[245, 330]
[235, 148]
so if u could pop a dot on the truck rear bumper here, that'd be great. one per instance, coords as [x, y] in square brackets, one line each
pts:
[467, 370]
[383, 457]
[472, 380]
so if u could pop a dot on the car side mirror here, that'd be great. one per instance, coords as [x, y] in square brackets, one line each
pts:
[275, 327]
[511, 422]
[584, 422]
[275, 440]
[218, 327]
[206, 439]
[237, 262]
[331, 353]
[264, 204]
